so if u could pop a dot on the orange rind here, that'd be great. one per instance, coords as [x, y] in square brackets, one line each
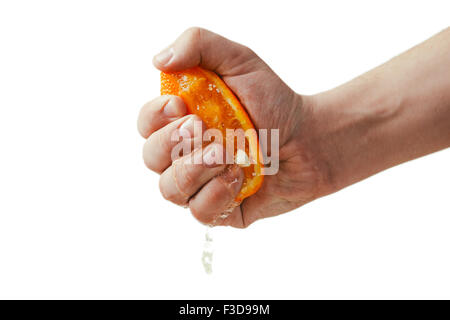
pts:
[206, 95]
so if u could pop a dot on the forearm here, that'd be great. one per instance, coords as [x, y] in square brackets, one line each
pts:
[392, 114]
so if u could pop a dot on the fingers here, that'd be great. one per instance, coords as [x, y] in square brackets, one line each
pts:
[234, 218]
[198, 46]
[159, 112]
[188, 174]
[214, 203]
[164, 145]
[202, 170]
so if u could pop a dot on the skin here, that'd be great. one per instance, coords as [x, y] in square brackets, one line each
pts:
[396, 112]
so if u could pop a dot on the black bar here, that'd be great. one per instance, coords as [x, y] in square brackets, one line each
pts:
[220, 309]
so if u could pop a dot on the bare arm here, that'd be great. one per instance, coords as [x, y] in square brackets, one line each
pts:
[394, 113]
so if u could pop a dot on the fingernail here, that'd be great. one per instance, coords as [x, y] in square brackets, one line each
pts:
[213, 155]
[171, 109]
[164, 57]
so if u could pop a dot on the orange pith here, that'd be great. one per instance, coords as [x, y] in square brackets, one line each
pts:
[206, 95]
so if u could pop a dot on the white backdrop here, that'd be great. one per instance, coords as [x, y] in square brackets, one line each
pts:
[81, 216]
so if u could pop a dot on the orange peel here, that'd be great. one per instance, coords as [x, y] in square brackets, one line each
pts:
[206, 95]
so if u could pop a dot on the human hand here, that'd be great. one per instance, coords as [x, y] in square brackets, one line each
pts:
[270, 103]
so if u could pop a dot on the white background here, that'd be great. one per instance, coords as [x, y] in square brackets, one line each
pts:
[81, 216]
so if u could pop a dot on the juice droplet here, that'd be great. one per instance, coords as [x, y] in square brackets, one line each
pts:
[207, 256]
[208, 250]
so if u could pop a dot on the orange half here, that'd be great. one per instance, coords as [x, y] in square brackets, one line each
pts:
[206, 95]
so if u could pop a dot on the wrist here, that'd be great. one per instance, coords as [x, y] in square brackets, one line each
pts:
[352, 128]
[396, 112]
[308, 145]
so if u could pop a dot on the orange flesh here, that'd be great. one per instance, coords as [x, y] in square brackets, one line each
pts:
[206, 95]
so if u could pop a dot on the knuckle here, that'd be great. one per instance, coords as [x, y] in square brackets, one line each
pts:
[143, 119]
[171, 186]
[149, 108]
[170, 192]
[159, 138]
[251, 55]
[184, 175]
[146, 118]
[164, 192]
[195, 35]
[199, 214]
[147, 156]
[194, 32]
[249, 50]
[150, 160]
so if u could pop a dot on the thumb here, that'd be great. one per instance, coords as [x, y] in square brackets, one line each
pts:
[200, 47]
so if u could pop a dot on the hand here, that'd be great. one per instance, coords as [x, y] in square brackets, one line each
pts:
[392, 114]
[271, 104]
